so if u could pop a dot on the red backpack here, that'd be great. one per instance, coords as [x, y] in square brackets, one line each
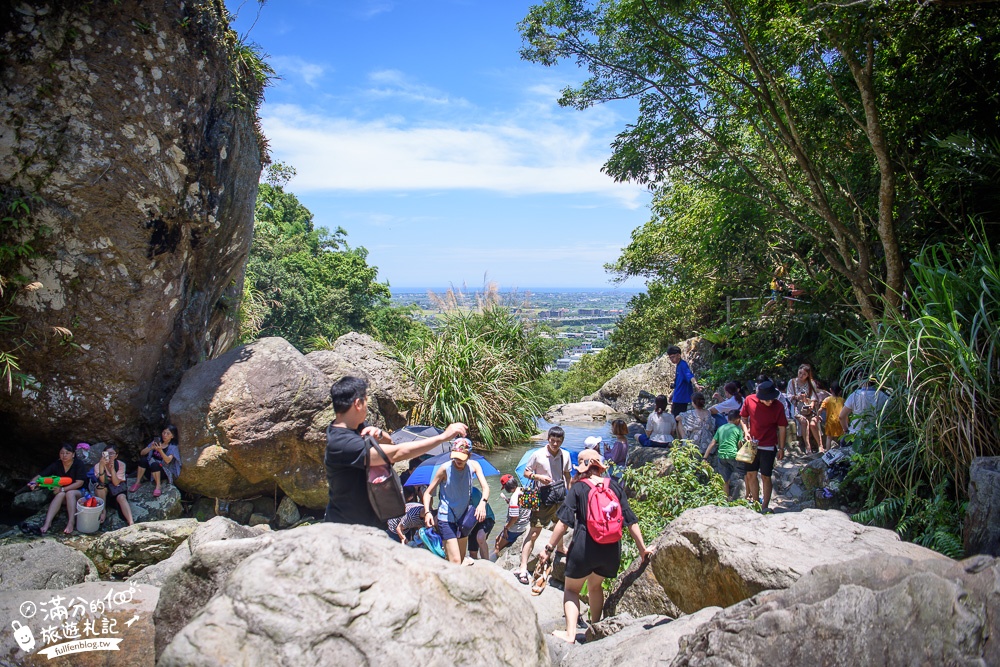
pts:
[604, 512]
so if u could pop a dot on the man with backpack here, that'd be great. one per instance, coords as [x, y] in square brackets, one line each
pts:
[597, 509]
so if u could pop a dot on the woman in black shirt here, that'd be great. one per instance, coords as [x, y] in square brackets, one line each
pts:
[587, 560]
[66, 466]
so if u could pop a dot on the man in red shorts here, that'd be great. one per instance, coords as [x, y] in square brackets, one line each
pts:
[763, 420]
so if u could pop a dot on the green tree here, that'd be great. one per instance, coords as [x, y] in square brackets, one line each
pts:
[306, 284]
[799, 108]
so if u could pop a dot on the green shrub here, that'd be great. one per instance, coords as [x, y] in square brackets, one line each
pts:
[659, 500]
[480, 368]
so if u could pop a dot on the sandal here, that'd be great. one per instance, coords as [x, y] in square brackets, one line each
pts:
[540, 577]
[522, 577]
[156, 493]
[133, 488]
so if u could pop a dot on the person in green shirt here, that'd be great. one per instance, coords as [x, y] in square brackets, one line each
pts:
[728, 438]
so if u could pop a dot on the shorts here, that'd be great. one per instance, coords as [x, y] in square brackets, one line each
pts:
[646, 441]
[726, 467]
[763, 462]
[677, 408]
[544, 516]
[486, 526]
[450, 530]
[511, 536]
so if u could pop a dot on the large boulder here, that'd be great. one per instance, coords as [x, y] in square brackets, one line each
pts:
[43, 564]
[378, 604]
[875, 610]
[123, 552]
[217, 529]
[649, 640]
[253, 419]
[626, 391]
[982, 516]
[123, 130]
[116, 619]
[391, 390]
[718, 556]
[585, 411]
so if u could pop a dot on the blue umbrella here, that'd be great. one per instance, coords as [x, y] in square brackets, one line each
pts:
[424, 473]
[523, 463]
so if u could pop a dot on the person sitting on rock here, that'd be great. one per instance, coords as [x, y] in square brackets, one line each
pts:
[346, 470]
[403, 528]
[66, 466]
[455, 502]
[588, 560]
[163, 457]
[549, 470]
[518, 518]
[661, 426]
[110, 475]
[696, 424]
[480, 535]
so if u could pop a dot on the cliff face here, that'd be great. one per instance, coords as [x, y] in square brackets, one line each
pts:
[122, 131]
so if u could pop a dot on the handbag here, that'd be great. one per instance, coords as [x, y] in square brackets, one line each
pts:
[553, 494]
[748, 452]
[385, 492]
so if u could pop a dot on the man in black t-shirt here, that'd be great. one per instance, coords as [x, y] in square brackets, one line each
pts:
[345, 453]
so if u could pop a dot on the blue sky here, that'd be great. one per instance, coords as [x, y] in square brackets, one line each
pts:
[416, 127]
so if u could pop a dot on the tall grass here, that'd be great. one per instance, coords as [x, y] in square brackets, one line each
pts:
[940, 362]
[480, 368]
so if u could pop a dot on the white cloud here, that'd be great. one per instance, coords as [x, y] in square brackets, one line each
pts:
[287, 66]
[394, 83]
[530, 151]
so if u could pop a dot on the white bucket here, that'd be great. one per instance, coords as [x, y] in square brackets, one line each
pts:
[88, 518]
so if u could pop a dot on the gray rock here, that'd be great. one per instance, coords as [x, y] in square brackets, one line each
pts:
[240, 511]
[636, 592]
[652, 640]
[657, 456]
[813, 475]
[718, 556]
[43, 564]
[622, 392]
[392, 393]
[253, 419]
[585, 411]
[982, 516]
[32, 501]
[385, 605]
[122, 553]
[144, 166]
[204, 509]
[125, 610]
[879, 609]
[147, 508]
[288, 513]
[216, 529]
[259, 520]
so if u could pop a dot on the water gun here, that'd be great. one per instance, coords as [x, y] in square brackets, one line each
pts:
[52, 482]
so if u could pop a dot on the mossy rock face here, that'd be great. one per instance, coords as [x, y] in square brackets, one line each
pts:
[124, 134]
[125, 552]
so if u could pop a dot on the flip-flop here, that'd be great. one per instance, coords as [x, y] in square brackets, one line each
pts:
[522, 577]
[156, 493]
[133, 488]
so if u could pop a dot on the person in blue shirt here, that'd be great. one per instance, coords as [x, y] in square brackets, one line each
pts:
[684, 382]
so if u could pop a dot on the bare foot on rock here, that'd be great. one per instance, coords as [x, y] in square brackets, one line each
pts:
[561, 634]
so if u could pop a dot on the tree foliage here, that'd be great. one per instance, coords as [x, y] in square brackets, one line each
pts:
[307, 284]
[816, 114]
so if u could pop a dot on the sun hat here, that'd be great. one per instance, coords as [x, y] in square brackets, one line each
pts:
[766, 391]
[461, 448]
[588, 458]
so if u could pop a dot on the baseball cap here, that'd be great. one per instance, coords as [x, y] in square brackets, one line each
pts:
[592, 441]
[506, 479]
[461, 448]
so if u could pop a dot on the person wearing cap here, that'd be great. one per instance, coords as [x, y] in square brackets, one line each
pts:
[588, 561]
[455, 480]
[346, 451]
[763, 419]
[518, 518]
[614, 454]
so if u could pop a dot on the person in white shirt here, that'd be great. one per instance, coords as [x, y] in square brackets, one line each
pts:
[865, 404]
[661, 426]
